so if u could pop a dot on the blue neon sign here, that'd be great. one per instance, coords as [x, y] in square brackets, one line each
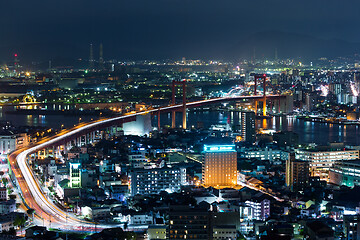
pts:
[219, 148]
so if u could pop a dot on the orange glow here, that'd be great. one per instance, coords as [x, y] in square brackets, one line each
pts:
[264, 123]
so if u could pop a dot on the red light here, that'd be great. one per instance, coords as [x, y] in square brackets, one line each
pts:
[264, 75]
[15, 54]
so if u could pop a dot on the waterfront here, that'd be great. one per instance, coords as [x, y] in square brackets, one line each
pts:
[308, 131]
[51, 121]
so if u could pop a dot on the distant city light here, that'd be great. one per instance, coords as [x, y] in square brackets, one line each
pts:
[324, 90]
[354, 91]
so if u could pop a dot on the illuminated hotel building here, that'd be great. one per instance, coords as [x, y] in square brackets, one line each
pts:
[321, 160]
[219, 166]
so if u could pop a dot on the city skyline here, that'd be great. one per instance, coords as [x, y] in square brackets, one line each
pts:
[180, 119]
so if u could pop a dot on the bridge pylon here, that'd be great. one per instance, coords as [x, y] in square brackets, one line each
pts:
[173, 119]
[263, 78]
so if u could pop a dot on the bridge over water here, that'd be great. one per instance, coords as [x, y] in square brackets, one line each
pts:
[31, 190]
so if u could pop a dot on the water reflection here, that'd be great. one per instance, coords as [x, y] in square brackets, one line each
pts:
[53, 121]
[264, 124]
[308, 131]
[29, 120]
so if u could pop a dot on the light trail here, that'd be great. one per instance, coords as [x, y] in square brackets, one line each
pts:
[237, 91]
[29, 186]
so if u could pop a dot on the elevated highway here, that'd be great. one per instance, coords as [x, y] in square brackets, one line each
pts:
[32, 192]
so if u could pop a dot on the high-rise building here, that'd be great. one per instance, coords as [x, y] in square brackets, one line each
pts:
[335, 88]
[75, 175]
[219, 166]
[189, 223]
[297, 173]
[309, 101]
[247, 124]
[155, 180]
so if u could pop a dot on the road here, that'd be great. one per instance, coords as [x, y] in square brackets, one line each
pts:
[32, 193]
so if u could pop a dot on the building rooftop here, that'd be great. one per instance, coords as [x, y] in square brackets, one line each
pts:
[327, 149]
[225, 226]
[320, 229]
[355, 163]
[219, 148]
[157, 226]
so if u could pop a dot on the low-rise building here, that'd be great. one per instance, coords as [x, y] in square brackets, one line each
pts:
[224, 232]
[260, 207]
[351, 227]
[119, 192]
[137, 158]
[96, 213]
[317, 230]
[141, 219]
[189, 223]
[7, 142]
[263, 153]
[89, 178]
[345, 173]
[7, 206]
[51, 168]
[156, 232]
[321, 159]
[6, 224]
[3, 194]
[246, 212]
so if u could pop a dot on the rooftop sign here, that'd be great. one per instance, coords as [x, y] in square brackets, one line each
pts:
[219, 148]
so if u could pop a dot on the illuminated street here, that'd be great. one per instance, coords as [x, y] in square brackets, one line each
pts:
[207, 120]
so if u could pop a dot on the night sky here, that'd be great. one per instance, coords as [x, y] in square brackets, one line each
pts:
[134, 29]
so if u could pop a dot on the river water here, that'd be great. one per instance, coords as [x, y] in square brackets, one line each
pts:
[309, 132]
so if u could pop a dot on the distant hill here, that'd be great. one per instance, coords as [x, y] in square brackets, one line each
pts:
[290, 45]
[60, 53]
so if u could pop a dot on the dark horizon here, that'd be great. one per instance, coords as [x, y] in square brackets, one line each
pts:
[163, 29]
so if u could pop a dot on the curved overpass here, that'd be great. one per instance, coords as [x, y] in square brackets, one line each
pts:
[32, 193]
